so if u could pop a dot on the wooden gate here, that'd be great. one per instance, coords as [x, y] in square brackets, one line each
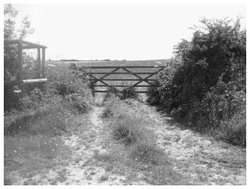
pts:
[112, 76]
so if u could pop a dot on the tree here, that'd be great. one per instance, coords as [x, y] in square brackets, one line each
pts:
[11, 32]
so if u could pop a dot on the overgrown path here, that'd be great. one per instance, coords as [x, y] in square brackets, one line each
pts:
[80, 167]
[199, 159]
[196, 159]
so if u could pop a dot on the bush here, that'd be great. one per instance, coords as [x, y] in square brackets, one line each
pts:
[128, 130]
[208, 85]
[107, 113]
[126, 93]
[147, 154]
[63, 81]
[12, 100]
[78, 103]
[129, 93]
[233, 130]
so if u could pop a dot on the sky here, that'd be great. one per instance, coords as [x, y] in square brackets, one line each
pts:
[117, 31]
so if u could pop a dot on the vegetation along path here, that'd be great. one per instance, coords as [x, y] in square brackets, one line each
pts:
[190, 157]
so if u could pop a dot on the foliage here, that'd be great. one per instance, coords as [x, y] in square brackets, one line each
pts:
[127, 92]
[49, 121]
[132, 143]
[208, 85]
[12, 32]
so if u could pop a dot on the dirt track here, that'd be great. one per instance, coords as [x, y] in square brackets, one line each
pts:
[197, 159]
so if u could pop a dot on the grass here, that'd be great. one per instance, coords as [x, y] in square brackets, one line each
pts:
[32, 141]
[133, 146]
[130, 130]
[46, 120]
[233, 130]
[32, 134]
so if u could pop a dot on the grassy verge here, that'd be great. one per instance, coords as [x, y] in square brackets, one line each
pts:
[32, 142]
[33, 132]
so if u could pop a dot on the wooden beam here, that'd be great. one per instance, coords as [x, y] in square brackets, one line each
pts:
[43, 63]
[117, 79]
[108, 67]
[39, 62]
[97, 91]
[30, 47]
[124, 85]
[29, 44]
[26, 81]
[33, 44]
[117, 73]
[147, 78]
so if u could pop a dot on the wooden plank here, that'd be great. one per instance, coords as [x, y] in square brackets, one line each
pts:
[122, 85]
[43, 63]
[97, 91]
[132, 73]
[33, 44]
[109, 73]
[117, 79]
[40, 80]
[108, 67]
[38, 62]
[117, 73]
[147, 78]
[29, 44]
[97, 79]
[30, 47]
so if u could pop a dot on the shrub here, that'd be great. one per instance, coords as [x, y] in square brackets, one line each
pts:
[126, 93]
[208, 85]
[154, 94]
[147, 154]
[233, 130]
[107, 113]
[63, 81]
[78, 103]
[129, 93]
[126, 128]
[12, 100]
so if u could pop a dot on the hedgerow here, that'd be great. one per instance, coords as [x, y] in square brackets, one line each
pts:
[206, 85]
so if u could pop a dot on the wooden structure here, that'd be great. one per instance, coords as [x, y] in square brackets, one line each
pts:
[41, 72]
[135, 71]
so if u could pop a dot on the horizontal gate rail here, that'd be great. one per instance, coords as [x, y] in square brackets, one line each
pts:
[139, 79]
[122, 85]
[108, 67]
[118, 73]
[122, 79]
[97, 91]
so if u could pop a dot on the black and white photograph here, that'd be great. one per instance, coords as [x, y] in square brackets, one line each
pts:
[124, 93]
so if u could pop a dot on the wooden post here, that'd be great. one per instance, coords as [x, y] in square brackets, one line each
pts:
[20, 65]
[38, 62]
[43, 64]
